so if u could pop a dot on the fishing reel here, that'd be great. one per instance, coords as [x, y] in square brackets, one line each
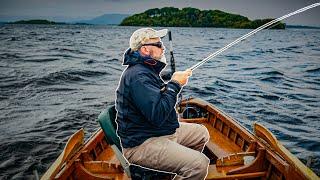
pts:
[191, 112]
[166, 75]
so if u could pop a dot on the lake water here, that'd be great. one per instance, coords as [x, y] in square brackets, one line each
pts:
[55, 80]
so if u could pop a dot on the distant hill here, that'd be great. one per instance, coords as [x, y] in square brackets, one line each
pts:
[192, 17]
[302, 27]
[36, 21]
[107, 19]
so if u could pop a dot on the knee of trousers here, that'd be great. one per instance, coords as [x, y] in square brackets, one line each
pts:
[205, 132]
[201, 165]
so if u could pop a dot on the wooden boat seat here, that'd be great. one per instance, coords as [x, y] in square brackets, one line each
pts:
[234, 159]
[215, 172]
[239, 171]
[219, 144]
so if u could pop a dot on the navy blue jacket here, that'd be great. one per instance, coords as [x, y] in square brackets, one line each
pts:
[145, 104]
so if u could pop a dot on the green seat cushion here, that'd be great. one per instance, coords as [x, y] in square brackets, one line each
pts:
[107, 121]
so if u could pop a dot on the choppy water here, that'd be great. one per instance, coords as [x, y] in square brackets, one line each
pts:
[56, 79]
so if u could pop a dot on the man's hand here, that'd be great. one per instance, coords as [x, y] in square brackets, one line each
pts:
[182, 76]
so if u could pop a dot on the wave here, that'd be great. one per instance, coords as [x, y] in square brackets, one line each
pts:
[89, 73]
[207, 92]
[58, 89]
[76, 51]
[32, 33]
[220, 83]
[234, 81]
[266, 112]
[114, 60]
[272, 79]
[41, 60]
[271, 76]
[15, 39]
[260, 51]
[90, 61]
[233, 57]
[315, 70]
[310, 145]
[302, 97]
[65, 77]
[293, 49]
[249, 68]
[57, 78]
[268, 97]
[10, 55]
[257, 52]
[272, 73]
[54, 78]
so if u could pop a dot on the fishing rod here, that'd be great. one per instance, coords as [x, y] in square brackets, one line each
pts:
[251, 33]
[165, 75]
[172, 63]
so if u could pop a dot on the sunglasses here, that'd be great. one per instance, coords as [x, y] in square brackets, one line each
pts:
[157, 44]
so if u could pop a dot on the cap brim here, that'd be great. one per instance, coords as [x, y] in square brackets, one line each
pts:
[161, 33]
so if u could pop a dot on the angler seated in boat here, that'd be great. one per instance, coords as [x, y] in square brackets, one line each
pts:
[148, 127]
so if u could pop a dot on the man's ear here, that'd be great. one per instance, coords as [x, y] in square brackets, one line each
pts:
[144, 51]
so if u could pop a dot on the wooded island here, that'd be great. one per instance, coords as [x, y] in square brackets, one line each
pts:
[192, 17]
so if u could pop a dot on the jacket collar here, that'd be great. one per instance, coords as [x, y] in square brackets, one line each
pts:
[132, 58]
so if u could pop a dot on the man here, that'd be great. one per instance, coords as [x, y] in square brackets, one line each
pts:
[148, 126]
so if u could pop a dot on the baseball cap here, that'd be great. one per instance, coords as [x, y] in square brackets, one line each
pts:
[140, 36]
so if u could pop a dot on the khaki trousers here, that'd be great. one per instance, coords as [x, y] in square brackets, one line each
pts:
[179, 153]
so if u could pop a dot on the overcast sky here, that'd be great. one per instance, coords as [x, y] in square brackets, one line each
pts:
[68, 10]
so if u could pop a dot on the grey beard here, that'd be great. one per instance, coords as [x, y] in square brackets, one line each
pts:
[163, 59]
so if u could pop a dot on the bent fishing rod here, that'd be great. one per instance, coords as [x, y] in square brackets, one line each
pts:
[252, 33]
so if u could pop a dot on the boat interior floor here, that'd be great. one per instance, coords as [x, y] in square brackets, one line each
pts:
[219, 146]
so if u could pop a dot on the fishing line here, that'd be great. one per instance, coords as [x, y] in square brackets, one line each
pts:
[251, 33]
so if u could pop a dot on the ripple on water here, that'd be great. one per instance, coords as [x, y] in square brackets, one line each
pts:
[314, 71]
[272, 79]
[268, 97]
[41, 60]
[292, 49]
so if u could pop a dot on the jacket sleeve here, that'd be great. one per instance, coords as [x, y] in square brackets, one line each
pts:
[156, 106]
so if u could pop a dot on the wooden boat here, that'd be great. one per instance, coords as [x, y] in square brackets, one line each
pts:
[234, 152]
